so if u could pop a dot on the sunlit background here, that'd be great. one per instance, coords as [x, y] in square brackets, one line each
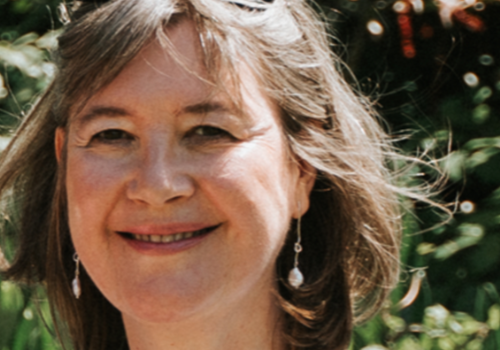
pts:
[433, 69]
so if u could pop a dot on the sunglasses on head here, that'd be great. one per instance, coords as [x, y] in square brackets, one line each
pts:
[246, 6]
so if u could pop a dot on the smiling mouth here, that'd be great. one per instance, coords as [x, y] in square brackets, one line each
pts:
[168, 238]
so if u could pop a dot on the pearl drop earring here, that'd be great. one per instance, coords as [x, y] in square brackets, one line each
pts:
[295, 277]
[77, 290]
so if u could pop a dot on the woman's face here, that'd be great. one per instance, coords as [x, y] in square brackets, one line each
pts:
[177, 200]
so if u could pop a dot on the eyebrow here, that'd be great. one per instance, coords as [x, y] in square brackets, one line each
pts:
[101, 111]
[204, 108]
[109, 111]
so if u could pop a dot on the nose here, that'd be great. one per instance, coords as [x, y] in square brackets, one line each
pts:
[160, 177]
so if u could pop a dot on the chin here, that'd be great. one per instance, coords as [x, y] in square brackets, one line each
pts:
[149, 307]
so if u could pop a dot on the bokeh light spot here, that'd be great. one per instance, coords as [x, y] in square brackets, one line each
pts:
[400, 7]
[374, 27]
[483, 94]
[479, 6]
[467, 207]
[486, 60]
[418, 6]
[471, 79]
[28, 314]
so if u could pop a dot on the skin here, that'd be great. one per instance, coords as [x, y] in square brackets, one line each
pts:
[156, 151]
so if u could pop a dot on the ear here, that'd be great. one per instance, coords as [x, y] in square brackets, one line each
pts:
[307, 177]
[59, 140]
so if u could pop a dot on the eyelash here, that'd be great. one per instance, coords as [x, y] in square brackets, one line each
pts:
[209, 132]
[111, 136]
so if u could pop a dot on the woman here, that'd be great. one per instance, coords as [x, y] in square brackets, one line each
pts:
[199, 176]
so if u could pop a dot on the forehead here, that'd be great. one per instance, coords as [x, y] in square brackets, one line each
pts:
[170, 68]
[172, 73]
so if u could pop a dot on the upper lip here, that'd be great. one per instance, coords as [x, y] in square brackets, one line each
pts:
[165, 229]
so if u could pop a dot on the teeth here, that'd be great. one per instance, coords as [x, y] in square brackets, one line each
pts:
[168, 238]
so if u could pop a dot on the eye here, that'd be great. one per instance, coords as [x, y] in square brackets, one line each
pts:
[112, 135]
[210, 132]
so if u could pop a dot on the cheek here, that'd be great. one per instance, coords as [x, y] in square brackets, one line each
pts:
[92, 185]
[251, 186]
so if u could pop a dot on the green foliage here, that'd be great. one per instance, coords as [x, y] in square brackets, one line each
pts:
[448, 297]
[27, 33]
[440, 329]
[449, 93]
[27, 72]
[25, 323]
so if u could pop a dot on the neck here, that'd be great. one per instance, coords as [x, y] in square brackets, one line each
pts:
[250, 325]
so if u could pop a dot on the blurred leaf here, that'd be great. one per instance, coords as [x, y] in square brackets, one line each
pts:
[481, 113]
[23, 335]
[11, 297]
[479, 143]
[475, 344]
[453, 165]
[436, 316]
[470, 234]
[409, 343]
[395, 323]
[426, 248]
[482, 94]
[22, 6]
[49, 40]
[445, 343]
[374, 347]
[25, 39]
[492, 292]
[480, 157]
[494, 317]
[469, 324]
